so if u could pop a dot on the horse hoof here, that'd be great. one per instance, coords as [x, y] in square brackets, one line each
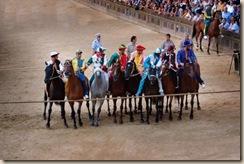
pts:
[199, 108]
[142, 121]
[109, 115]
[186, 107]
[126, 112]
[135, 111]
[132, 119]
[96, 124]
[66, 125]
[80, 124]
[167, 111]
[115, 121]
[179, 118]
[44, 117]
[156, 120]
[170, 118]
[75, 127]
[48, 126]
[191, 117]
[121, 122]
[148, 122]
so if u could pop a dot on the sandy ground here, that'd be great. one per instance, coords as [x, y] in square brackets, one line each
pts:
[30, 29]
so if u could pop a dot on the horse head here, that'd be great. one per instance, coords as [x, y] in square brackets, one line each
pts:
[130, 67]
[68, 69]
[117, 70]
[217, 15]
[152, 75]
[98, 73]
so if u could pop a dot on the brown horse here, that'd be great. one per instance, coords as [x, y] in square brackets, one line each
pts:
[55, 91]
[169, 78]
[117, 88]
[213, 31]
[74, 91]
[188, 84]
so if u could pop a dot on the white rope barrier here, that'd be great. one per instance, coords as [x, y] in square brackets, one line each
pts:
[112, 98]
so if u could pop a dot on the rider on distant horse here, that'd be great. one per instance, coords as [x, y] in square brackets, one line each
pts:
[118, 56]
[207, 19]
[54, 62]
[99, 60]
[78, 66]
[187, 55]
[96, 43]
[138, 58]
[153, 61]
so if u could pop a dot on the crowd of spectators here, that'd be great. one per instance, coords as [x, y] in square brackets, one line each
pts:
[192, 9]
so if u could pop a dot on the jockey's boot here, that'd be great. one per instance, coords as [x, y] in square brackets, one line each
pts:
[85, 88]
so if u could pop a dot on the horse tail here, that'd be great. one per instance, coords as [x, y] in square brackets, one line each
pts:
[194, 30]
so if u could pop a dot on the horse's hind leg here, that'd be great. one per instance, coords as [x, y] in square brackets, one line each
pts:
[198, 103]
[135, 106]
[98, 112]
[181, 106]
[140, 108]
[126, 112]
[217, 45]
[192, 104]
[147, 107]
[201, 36]
[166, 110]
[89, 112]
[73, 113]
[109, 113]
[150, 108]
[49, 114]
[162, 109]
[186, 103]
[157, 111]
[63, 114]
[131, 113]
[114, 112]
[79, 115]
[45, 105]
[121, 111]
[170, 108]
[93, 112]
[209, 41]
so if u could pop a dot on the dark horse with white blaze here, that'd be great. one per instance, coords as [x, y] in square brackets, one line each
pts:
[213, 31]
[151, 88]
[117, 88]
[55, 91]
[132, 77]
[74, 91]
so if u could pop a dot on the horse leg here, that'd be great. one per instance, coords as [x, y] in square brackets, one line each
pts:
[79, 116]
[209, 41]
[135, 106]
[89, 112]
[73, 114]
[166, 110]
[140, 108]
[197, 35]
[157, 111]
[131, 113]
[170, 107]
[198, 103]
[217, 45]
[45, 106]
[186, 103]
[114, 112]
[63, 114]
[126, 112]
[93, 112]
[201, 37]
[49, 114]
[98, 113]
[121, 111]
[181, 106]
[109, 113]
[150, 103]
[192, 104]
[147, 107]
[162, 109]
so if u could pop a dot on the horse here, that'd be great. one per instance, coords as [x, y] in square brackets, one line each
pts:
[117, 88]
[74, 91]
[169, 80]
[99, 88]
[55, 91]
[151, 88]
[132, 77]
[213, 31]
[188, 84]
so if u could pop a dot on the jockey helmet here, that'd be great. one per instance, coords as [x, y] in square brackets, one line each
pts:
[187, 43]
[122, 47]
[79, 51]
[53, 53]
[140, 48]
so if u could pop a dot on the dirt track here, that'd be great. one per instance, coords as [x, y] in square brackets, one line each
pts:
[30, 29]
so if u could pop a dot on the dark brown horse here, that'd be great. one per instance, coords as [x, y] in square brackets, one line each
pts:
[74, 91]
[188, 84]
[132, 77]
[169, 84]
[55, 91]
[213, 31]
[117, 88]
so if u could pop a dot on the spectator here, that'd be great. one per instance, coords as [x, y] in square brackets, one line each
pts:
[233, 25]
[224, 24]
[165, 45]
[226, 15]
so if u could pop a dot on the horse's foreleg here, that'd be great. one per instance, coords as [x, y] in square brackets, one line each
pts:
[131, 113]
[114, 112]
[93, 112]
[209, 41]
[198, 103]
[150, 108]
[89, 112]
[135, 106]
[109, 113]
[147, 107]
[121, 111]
[73, 114]
[45, 105]
[170, 108]
[201, 37]
[162, 109]
[63, 114]
[79, 115]
[166, 110]
[157, 110]
[126, 112]
[140, 108]
[192, 104]
[186, 103]
[217, 45]
[181, 106]
[197, 35]
[49, 114]
[98, 113]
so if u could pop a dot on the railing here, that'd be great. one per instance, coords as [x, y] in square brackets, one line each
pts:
[164, 24]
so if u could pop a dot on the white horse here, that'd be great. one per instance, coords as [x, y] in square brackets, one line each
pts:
[99, 88]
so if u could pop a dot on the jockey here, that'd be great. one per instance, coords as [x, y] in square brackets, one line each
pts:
[121, 56]
[138, 57]
[153, 60]
[54, 62]
[168, 42]
[207, 19]
[187, 37]
[96, 43]
[131, 46]
[99, 60]
[78, 66]
[185, 55]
